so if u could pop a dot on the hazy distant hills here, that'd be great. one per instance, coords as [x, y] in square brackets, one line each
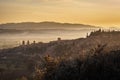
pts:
[43, 25]
[14, 33]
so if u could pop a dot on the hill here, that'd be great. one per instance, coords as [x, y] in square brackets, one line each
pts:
[91, 56]
[111, 39]
[43, 25]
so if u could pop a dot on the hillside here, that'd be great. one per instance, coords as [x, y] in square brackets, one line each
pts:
[111, 39]
[25, 57]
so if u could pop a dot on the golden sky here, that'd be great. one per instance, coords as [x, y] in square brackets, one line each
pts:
[94, 12]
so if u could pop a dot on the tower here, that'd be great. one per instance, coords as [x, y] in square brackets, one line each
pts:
[28, 42]
[23, 42]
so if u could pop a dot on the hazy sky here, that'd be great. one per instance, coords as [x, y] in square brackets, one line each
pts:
[96, 12]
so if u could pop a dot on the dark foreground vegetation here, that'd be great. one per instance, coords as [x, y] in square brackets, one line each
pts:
[96, 57]
[97, 67]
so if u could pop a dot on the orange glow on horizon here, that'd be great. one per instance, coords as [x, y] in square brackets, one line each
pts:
[102, 13]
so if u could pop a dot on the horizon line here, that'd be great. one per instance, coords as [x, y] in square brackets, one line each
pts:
[72, 23]
[51, 22]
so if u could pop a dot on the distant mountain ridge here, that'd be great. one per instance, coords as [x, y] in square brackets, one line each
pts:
[43, 25]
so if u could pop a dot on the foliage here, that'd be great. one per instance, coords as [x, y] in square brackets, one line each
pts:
[96, 67]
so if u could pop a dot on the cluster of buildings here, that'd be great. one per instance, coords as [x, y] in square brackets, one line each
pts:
[27, 42]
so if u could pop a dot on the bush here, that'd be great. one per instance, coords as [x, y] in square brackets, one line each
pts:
[97, 67]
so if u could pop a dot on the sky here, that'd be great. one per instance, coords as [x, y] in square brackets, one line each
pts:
[104, 13]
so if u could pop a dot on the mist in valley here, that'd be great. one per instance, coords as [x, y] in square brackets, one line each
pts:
[8, 40]
[12, 34]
